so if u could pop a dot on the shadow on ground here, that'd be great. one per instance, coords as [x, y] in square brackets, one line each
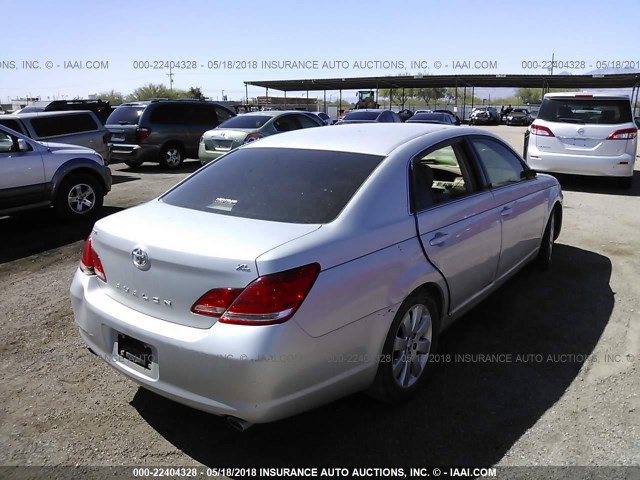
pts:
[604, 185]
[472, 411]
[41, 230]
[188, 166]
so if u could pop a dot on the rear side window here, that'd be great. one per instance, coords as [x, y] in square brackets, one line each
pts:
[125, 116]
[605, 111]
[63, 125]
[169, 114]
[274, 184]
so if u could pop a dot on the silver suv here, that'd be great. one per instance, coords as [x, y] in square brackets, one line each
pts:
[72, 179]
[80, 128]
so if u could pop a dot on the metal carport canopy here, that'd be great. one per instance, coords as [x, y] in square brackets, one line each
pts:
[625, 80]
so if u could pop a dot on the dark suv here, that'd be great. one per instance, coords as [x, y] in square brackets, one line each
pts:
[164, 131]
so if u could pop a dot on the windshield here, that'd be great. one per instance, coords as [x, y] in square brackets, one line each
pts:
[276, 184]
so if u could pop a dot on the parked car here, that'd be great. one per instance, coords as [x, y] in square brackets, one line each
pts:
[102, 109]
[324, 117]
[405, 114]
[518, 116]
[484, 116]
[456, 118]
[250, 127]
[370, 115]
[585, 134]
[72, 179]
[81, 128]
[258, 303]
[441, 118]
[164, 131]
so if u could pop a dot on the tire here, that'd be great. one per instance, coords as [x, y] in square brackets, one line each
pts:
[132, 164]
[172, 156]
[545, 255]
[404, 366]
[470, 122]
[79, 197]
[625, 182]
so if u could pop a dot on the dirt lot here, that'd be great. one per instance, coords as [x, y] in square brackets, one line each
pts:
[567, 391]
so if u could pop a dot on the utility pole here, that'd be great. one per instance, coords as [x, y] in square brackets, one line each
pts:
[170, 75]
[552, 62]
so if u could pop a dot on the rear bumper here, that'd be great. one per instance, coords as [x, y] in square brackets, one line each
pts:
[258, 374]
[615, 166]
[207, 156]
[133, 153]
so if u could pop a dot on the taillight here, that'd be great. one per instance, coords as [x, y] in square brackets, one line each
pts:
[90, 263]
[252, 137]
[142, 133]
[540, 130]
[583, 95]
[267, 300]
[624, 134]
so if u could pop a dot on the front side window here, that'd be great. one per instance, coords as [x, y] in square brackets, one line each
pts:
[6, 142]
[501, 165]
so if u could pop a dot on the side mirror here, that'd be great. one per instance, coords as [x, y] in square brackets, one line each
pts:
[528, 174]
[23, 146]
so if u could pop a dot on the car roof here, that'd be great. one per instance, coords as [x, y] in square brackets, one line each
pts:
[46, 114]
[274, 113]
[367, 138]
[585, 95]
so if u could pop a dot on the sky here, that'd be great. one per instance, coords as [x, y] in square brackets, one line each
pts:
[128, 44]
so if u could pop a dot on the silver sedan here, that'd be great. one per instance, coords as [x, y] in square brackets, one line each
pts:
[311, 265]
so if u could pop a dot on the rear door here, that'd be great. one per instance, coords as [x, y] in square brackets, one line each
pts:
[199, 119]
[458, 223]
[122, 124]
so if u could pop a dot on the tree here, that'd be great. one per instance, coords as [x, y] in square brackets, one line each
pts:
[113, 97]
[428, 94]
[196, 93]
[529, 95]
[151, 90]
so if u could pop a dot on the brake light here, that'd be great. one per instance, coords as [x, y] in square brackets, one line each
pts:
[583, 95]
[90, 263]
[624, 134]
[142, 133]
[252, 137]
[540, 130]
[267, 300]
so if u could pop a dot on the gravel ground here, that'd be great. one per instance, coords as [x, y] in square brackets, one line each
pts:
[566, 390]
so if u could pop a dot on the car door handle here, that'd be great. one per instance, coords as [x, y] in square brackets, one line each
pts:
[438, 239]
[506, 211]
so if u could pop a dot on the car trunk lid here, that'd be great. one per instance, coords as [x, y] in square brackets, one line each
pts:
[159, 259]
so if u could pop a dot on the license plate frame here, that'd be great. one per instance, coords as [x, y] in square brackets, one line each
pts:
[135, 351]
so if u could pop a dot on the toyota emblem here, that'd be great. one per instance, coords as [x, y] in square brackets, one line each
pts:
[140, 258]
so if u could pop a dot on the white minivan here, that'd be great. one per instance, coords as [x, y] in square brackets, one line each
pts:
[584, 134]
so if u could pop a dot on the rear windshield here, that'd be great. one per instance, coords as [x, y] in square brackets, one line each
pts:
[124, 115]
[362, 115]
[246, 121]
[274, 184]
[440, 117]
[586, 110]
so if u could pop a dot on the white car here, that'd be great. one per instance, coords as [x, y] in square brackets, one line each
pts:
[584, 134]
